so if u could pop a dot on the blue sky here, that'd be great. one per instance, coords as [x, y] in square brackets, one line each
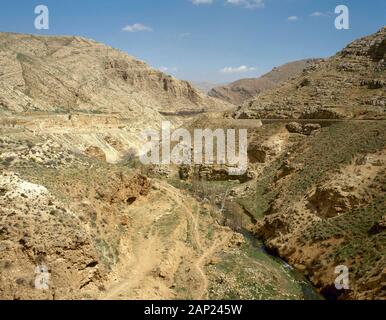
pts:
[205, 40]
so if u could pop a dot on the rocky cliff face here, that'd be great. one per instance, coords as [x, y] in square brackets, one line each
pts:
[349, 84]
[242, 90]
[68, 74]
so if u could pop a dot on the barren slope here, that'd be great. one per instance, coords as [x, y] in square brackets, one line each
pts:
[239, 91]
[67, 74]
[349, 84]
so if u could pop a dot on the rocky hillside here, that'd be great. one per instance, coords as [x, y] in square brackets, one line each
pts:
[319, 199]
[96, 230]
[239, 91]
[68, 74]
[321, 203]
[347, 85]
[85, 94]
[78, 209]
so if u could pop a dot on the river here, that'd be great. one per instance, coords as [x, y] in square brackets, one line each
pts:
[309, 292]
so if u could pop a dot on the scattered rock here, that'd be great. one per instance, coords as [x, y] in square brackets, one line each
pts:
[307, 129]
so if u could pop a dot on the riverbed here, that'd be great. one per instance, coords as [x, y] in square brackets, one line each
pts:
[308, 290]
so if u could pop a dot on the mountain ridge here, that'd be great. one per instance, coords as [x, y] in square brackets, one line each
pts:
[347, 85]
[51, 73]
[241, 90]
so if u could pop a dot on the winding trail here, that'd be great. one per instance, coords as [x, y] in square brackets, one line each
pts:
[218, 244]
[206, 253]
[142, 262]
[138, 268]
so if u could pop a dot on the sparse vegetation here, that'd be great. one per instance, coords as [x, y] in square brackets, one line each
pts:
[318, 156]
[108, 226]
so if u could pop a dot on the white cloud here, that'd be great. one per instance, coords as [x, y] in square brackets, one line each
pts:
[320, 14]
[249, 4]
[137, 27]
[241, 69]
[198, 2]
[293, 18]
[316, 14]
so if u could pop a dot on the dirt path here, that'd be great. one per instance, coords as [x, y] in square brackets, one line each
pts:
[200, 263]
[145, 258]
[140, 266]
[206, 253]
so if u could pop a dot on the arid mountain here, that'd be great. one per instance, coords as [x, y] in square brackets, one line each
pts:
[239, 91]
[69, 74]
[349, 84]
[80, 93]
[203, 86]
[319, 198]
